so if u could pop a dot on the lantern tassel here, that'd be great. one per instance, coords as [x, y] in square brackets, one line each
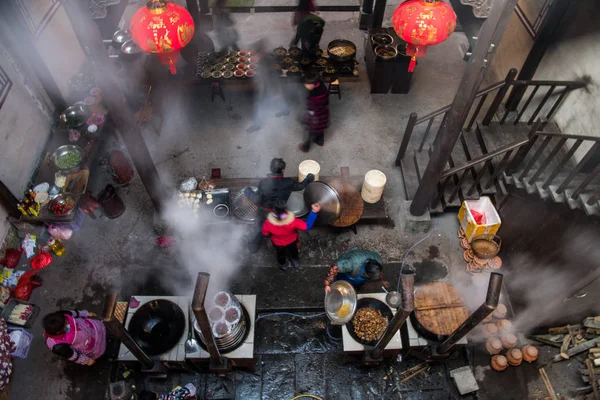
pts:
[412, 64]
[172, 68]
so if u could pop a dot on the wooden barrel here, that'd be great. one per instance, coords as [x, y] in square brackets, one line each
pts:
[439, 310]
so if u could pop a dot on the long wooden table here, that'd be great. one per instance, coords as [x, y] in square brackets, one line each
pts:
[373, 214]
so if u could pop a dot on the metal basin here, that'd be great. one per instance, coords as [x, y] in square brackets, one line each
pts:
[130, 51]
[157, 326]
[328, 199]
[340, 303]
[61, 151]
[75, 116]
[120, 37]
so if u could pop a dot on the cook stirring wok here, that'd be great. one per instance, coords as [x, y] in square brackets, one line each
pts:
[361, 268]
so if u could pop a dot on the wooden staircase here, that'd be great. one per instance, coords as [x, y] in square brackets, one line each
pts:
[495, 152]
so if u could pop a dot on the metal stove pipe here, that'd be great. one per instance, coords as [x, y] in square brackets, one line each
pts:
[408, 305]
[202, 316]
[488, 307]
[116, 328]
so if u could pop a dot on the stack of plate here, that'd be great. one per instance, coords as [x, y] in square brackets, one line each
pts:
[237, 327]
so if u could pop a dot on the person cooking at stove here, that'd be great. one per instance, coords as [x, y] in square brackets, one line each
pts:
[272, 189]
[358, 267]
[309, 32]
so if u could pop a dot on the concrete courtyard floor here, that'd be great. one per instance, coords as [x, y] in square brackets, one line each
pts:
[292, 356]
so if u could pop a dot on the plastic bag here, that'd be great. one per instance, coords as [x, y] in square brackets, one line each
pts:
[11, 258]
[60, 232]
[42, 260]
[478, 217]
[26, 284]
[165, 241]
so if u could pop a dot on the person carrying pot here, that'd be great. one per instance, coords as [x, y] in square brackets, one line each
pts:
[271, 190]
[358, 267]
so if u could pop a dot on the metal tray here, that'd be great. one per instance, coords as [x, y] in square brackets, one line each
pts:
[12, 303]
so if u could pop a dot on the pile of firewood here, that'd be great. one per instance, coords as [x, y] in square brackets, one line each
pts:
[579, 339]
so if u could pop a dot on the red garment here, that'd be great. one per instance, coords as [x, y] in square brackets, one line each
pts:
[285, 231]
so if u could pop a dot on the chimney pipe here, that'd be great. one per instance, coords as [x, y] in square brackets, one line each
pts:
[202, 317]
[408, 305]
[491, 302]
[117, 329]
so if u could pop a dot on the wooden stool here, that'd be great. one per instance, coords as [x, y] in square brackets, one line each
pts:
[216, 90]
[334, 88]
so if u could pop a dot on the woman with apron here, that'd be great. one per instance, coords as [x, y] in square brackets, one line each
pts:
[357, 267]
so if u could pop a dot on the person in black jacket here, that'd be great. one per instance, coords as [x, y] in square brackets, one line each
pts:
[271, 190]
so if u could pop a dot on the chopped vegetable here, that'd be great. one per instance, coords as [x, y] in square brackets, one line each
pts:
[68, 160]
[369, 324]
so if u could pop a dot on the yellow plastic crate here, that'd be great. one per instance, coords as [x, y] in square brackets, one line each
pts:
[467, 222]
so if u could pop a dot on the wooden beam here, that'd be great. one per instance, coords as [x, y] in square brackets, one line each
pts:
[89, 37]
[19, 42]
[490, 35]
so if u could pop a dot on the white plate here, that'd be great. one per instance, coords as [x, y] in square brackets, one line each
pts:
[41, 197]
[42, 187]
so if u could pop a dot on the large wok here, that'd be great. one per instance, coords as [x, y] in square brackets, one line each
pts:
[342, 43]
[373, 303]
[157, 326]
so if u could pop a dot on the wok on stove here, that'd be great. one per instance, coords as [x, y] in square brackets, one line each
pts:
[373, 303]
[157, 326]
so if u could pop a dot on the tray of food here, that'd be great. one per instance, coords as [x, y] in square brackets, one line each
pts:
[22, 313]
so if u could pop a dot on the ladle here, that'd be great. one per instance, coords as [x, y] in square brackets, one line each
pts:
[393, 298]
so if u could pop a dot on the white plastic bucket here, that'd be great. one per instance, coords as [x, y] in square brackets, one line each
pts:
[373, 185]
[308, 167]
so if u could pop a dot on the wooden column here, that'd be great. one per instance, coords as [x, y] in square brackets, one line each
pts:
[546, 36]
[17, 38]
[490, 35]
[378, 12]
[89, 37]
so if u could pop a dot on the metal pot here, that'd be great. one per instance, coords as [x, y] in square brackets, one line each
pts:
[119, 37]
[130, 51]
[328, 199]
[387, 49]
[341, 43]
[75, 116]
[384, 39]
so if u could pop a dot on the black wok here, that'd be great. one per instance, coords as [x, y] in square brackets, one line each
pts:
[157, 326]
[373, 303]
[341, 43]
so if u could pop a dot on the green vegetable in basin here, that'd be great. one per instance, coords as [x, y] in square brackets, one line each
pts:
[68, 160]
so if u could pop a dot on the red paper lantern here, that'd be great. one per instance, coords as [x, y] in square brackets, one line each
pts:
[162, 28]
[422, 23]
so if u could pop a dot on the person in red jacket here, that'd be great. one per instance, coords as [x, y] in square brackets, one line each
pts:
[283, 226]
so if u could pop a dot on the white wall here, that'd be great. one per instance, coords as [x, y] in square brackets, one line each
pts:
[24, 130]
[577, 56]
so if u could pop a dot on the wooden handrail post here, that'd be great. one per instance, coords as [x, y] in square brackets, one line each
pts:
[508, 81]
[523, 151]
[410, 126]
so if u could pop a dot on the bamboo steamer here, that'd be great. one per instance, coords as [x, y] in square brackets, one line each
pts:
[373, 185]
[308, 167]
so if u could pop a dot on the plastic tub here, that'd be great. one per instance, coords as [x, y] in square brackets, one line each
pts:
[308, 167]
[373, 185]
[22, 344]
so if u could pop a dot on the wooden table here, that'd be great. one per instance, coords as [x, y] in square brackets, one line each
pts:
[352, 206]
[372, 213]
